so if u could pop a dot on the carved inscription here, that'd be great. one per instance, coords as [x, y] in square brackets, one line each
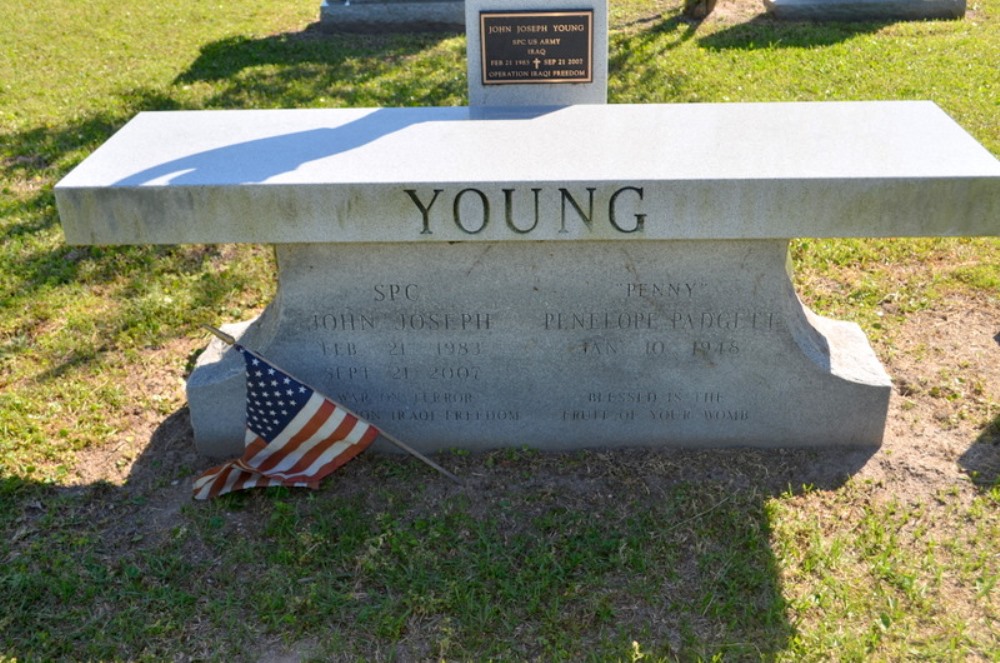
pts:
[472, 211]
[667, 321]
[405, 356]
[676, 407]
[398, 342]
[443, 321]
[420, 321]
[667, 290]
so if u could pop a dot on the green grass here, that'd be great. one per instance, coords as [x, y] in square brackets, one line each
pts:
[573, 557]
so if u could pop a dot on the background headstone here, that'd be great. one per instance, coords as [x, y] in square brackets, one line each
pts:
[864, 10]
[370, 16]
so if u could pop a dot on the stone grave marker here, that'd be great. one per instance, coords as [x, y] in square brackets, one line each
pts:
[865, 10]
[539, 268]
[557, 277]
[371, 16]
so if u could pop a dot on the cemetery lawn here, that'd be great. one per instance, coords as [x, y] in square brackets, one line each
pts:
[596, 555]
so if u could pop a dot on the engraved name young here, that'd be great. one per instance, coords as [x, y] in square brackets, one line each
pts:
[471, 210]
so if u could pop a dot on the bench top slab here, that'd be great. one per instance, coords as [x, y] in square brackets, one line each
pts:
[700, 171]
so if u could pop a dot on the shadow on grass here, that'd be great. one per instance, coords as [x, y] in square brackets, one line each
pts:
[981, 461]
[283, 70]
[225, 58]
[540, 556]
[130, 287]
[761, 31]
[38, 268]
[631, 54]
[766, 32]
[288, 70]
[316, 68]
[48, 152]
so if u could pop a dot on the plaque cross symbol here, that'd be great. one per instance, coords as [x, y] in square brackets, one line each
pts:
[537, 62]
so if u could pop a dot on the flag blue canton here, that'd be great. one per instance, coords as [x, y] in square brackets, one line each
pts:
[273, 397]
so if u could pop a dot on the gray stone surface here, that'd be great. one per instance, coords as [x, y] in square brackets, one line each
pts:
[558, 94]
[654, 307]
[557, 346]
[705, 171]
[864, 10]
[372, 16]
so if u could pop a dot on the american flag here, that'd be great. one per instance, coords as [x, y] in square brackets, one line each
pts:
[295, 436]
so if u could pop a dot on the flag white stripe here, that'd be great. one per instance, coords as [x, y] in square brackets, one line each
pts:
[320, 461]
[205, 483]
[204, 479]
[234, 474]
[203, 486]
[326, 430]
[355, 435]
[300, 420]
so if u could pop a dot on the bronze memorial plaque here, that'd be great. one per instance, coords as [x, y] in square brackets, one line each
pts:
[537, 47]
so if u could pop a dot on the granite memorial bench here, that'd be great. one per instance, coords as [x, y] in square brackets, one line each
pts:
[557, 277]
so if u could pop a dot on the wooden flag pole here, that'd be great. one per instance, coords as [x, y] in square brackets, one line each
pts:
[405, 447]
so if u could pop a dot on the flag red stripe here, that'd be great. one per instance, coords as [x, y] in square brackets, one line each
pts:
[220, 481]
[245, 480]
[246, 461]
[346, 455]
[205, 482]
[324, 412]
[254, 448]
[342, 431]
